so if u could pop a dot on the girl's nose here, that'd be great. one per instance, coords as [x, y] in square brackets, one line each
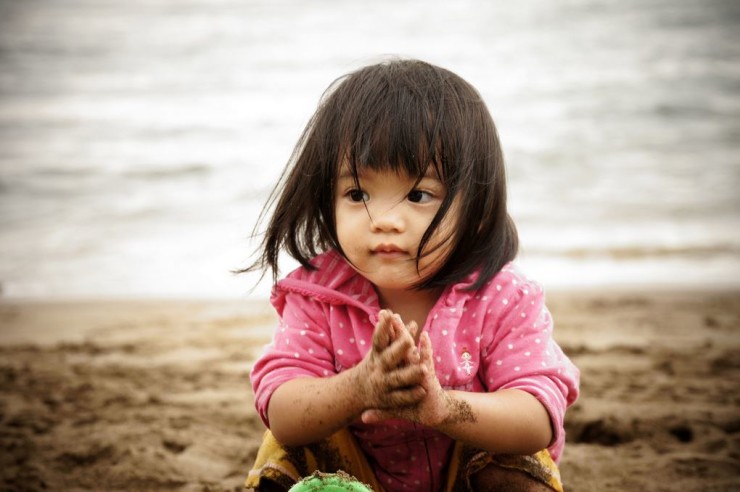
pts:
[388, 219]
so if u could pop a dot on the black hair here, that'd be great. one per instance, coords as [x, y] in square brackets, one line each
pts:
[399, 115]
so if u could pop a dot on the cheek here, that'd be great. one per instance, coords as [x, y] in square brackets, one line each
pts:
[344, 225]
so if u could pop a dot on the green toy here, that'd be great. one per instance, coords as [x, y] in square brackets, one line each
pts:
[330, 482]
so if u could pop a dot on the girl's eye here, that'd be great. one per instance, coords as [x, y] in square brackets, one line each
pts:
[419, 196]
[358, 195]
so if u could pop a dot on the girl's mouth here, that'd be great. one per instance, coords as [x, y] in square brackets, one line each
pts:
[388, 251]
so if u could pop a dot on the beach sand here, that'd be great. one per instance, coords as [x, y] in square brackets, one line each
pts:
[155, 395]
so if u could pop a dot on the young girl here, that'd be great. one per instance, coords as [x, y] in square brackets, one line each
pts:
[411, 352]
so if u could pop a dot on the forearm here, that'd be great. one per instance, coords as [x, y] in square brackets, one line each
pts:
[508, 421]
[305, 410]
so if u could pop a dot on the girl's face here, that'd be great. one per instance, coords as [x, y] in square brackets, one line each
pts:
[380, 225]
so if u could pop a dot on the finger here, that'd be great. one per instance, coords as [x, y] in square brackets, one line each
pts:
[399, 328]
[382, 336]
[405, 397]
[375, 416]
[426, 351]
[404, 377]
[413, 329]
[414, 332]
[402, 331]
[398, 353]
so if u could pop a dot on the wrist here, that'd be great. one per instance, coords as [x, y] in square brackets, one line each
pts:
[354, 390]
[456, 411]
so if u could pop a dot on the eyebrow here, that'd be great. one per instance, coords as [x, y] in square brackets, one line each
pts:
[431, 172]
[345, 173]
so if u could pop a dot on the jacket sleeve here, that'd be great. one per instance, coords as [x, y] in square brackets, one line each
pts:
[301, 347]
[521, 353]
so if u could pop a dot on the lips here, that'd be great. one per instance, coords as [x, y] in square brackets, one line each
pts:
[388, 251]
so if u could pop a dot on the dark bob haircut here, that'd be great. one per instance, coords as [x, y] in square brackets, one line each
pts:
[399, 115]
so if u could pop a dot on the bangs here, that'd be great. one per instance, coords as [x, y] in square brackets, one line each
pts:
[392, 122]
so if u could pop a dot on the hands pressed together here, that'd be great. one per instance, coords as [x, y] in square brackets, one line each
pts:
[397, 380]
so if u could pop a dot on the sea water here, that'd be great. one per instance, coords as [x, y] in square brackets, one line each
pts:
[140, 139]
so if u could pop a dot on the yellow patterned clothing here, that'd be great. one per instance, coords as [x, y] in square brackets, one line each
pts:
[286, 465]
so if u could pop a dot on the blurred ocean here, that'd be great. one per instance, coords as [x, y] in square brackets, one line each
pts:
[139, 139]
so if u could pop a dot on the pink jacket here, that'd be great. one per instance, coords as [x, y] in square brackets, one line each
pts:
[497, 337]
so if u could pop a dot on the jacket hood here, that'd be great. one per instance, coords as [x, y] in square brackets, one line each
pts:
[333, 282]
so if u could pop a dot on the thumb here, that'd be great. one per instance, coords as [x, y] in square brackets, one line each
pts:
[374, 416]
